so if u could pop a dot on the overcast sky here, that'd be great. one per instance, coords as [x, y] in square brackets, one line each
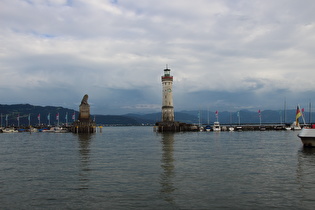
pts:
[224, 54]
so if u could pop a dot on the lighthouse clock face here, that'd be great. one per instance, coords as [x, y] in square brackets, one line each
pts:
[169, 90]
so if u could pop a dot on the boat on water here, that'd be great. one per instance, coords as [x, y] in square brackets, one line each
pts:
[307, 136]
[231, 128]
[10, 130]
[216, 126]
[46, 130]
[295, 126]
[208, 128]
[33, 130]
[55, 130]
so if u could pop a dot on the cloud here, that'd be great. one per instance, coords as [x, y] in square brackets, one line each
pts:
[228, 54]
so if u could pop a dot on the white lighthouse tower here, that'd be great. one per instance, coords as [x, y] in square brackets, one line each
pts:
[167, 100]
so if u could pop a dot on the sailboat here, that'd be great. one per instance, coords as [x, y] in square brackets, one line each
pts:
[231, 128]
[200, 122]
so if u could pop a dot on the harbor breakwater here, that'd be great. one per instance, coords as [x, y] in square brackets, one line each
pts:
[181, 127]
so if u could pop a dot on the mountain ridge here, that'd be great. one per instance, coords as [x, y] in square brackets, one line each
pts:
[10, 114]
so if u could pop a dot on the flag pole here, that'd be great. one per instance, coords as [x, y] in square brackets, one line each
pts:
[66, 119]
[302, 114]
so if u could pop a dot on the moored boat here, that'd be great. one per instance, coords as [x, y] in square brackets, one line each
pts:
[307, 136]
[216, 126]
[61, 130]
[208, 128]
[46, 130]
[9, 130]
[55, 130]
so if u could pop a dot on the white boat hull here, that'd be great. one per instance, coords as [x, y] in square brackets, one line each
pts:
[10, 130]
[307, 136]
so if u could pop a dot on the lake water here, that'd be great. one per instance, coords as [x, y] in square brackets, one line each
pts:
[136, 168]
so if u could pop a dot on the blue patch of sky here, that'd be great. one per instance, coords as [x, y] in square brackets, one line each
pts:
[48, 36]
[69, 3]
[114, 1]
[34, 33]
[29, 2]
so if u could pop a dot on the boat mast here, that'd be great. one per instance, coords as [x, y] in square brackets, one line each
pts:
[285, 110]
[302, 114]
[310, 113]
[208, 117]
[199, 118]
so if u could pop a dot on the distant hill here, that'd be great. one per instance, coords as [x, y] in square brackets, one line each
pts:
[249, 117]
[27, 111]
[11, 113]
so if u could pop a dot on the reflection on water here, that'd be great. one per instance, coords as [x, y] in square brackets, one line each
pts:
[133, 168]
[84, 149]
[167, 164]
[307, 151]
[305, 175]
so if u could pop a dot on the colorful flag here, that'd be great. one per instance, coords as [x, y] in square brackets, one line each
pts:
[57, 116]
[217, 115]
[73, 116]
[38, 117]
[259, 113]
[297, 116]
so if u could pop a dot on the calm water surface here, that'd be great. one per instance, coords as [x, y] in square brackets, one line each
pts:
[135, 168]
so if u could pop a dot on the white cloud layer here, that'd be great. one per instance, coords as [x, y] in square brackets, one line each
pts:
[223, 54]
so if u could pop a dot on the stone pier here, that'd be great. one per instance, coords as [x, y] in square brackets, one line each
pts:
[174, 127]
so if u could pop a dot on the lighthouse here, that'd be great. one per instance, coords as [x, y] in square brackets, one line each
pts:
[167, 97]
[168, 123]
